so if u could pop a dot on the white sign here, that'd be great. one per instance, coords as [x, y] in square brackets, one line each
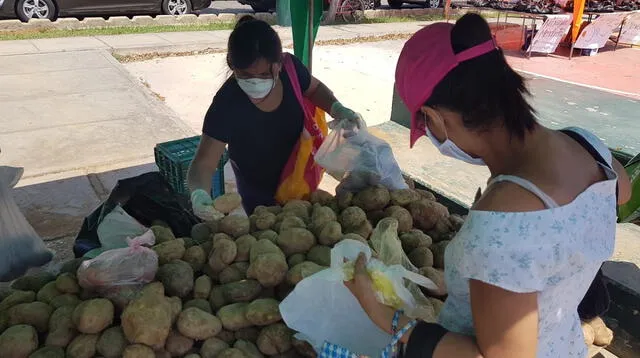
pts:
[631, 30]
[596, 34]
[553, 30]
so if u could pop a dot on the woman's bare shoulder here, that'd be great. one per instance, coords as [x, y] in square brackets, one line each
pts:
[508, 197]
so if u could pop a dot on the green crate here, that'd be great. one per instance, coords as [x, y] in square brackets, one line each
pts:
[173, 159]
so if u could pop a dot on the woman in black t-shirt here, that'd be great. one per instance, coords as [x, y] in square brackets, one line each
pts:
[257, 114]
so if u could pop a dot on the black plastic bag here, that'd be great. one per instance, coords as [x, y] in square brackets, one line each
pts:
[146, 198]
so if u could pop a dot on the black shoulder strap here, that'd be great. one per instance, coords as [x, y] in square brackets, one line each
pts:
[589, 148]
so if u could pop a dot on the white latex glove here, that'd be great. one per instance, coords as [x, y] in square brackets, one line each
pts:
[202, 205]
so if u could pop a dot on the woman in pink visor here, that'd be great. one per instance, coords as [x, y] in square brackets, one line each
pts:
[534, 241]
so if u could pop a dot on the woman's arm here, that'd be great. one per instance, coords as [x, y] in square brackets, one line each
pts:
[205, 163]
[624, 183]
[320, 95]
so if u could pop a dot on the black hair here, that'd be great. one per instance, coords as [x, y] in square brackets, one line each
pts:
[251, 40]
[485, 90]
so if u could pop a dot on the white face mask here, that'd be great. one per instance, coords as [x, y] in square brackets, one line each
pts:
[256, 88]
[450, 149]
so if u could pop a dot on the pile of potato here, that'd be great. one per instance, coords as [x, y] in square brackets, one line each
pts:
[217, 293]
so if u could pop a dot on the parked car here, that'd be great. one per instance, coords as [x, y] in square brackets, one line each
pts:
[260, 5]
[51, 9]
[396, 4]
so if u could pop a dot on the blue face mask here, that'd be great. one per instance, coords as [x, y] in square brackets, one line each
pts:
[450, 149]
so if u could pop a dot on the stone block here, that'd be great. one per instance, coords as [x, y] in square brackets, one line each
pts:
[227, 17]
[188, 19]
[119, 21]
[40, 24]
[204, 19]
[165, 20]
[93, 22]
[143, 21]
[11, 25]
[68, 23]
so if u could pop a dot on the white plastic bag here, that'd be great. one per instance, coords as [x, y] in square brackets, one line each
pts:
[21, 247]
[358, 159]
[133, 265]
[116, 227]
[323, 309]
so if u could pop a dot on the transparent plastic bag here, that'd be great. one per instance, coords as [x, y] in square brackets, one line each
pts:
[116, 227]
[133, 265]
[358, 159]
[21, 248]
[346, 324]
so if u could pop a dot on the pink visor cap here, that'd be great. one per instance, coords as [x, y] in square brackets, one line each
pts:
[426, 58]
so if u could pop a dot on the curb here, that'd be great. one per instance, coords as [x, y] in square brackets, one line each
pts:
[72, 23]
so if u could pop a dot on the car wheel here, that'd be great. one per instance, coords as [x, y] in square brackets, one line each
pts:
[395, 4]
[35, 9]
[433, 4]
[176, 7]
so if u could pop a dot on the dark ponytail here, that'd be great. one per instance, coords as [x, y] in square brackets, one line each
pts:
[251, 40]
[485, 90]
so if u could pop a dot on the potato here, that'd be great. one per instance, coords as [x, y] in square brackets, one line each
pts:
[242, 291]
[220, 236]
[17, 297]
[177, 344]
[290, 222]
[296, 241]
[169, 251]
[235, 225]
[176, 307]
[296, 259]
[64, 300]
[227, 336]
[372, 198]
[198, 324]
[267, 235]
[456, 222]
[344, 199]
[303, 348]
[275, 339]
[320, 197]
[177, 278]
[223, 254]
[354, 236]
[198, 303]
[268, 264]
[442, 230]
[83, 346]
[207, 246]
[414, 239]
[352, 217]
[331, 234]
[375, 216]
[234, 273]
[227, 203]
[202, 287]
[588, 333]
[427, 213]
[48, 352]
[437, 276]
[162, 234]
[34, 282]
[438, 250]
[234, 316]
[148, 319]
[404, 197]
[71, 266]
[263, 220]
[35, 314]
[190, 355]
[603, 336]
[405, 221]
[320, 255]
[67, 283]
[231, 353]
[217, 298]
[18, 341]
[48, 292]
[302, 271]
[421, 257]
[425, 194]
[111, 343]
[299, 208]
[249, 349]
[437, 305]
[61, 327]
[93, 316]
[365, 229]
[321, 216]
[244, 244]
[247, 334]
[263, 312]
[61, 337]
[275, 209]
[201, 232]
[138, 351]
[212, 347]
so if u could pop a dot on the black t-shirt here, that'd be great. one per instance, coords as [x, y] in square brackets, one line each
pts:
[260, 143]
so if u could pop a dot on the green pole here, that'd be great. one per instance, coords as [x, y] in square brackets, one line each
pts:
[305, 20]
